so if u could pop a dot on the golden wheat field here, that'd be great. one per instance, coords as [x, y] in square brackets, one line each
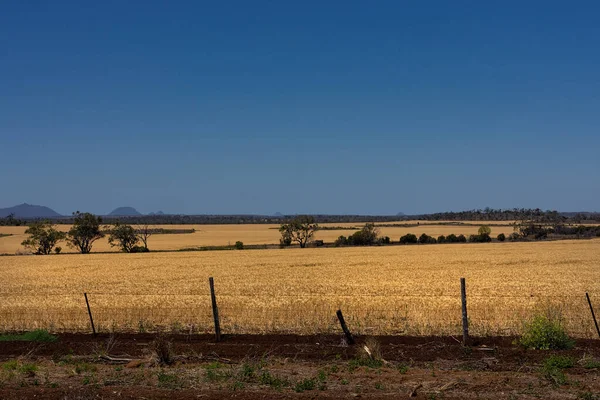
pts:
[222, 235]
[382, 290]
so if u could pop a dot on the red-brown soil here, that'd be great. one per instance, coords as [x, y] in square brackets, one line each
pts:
[77, 367]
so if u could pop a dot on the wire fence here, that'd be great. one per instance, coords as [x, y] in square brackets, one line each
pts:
[372, 314]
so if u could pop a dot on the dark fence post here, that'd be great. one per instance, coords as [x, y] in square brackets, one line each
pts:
[215, 310]
[349, 337]
[593, 315]
[90, 313]
[465, 318]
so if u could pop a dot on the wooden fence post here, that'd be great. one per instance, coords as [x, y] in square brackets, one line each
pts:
[215, 310]
[349, 337]
[593, 315]
[465, 318]
[90, 313]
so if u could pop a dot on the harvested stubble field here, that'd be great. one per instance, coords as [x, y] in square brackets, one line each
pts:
[411, 290]
[249, 234]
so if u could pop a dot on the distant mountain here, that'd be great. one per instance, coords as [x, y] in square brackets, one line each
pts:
[278, 214]
[400, 214]
[157, 213]
[29, 211]
[124, 212]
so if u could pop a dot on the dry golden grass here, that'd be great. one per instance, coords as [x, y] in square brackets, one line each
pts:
[222, 235]
[382, 290]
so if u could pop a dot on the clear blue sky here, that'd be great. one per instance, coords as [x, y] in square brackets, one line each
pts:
[300, 107]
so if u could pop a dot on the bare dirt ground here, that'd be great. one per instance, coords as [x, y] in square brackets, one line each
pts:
[282, 367]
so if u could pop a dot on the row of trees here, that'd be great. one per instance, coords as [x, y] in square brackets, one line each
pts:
[87, 229]
[301, 230]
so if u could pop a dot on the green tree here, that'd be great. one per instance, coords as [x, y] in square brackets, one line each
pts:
[301, 229]
[42, 237]
[484, 230]
[123, 236]
[85, 231]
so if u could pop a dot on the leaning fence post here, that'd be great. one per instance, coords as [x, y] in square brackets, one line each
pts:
[593, 315]
[215, 310]
[90, 313]
[349, 337]
[465, 318]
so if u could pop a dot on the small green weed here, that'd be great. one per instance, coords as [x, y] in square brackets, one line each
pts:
[305, 384]
[402, 368]
[237, 385]
[588, 396]
[379, 386]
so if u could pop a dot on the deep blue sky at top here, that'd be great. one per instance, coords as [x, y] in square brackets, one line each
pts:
[300, 107]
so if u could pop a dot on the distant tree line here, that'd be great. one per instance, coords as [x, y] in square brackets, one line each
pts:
[487, 214]
[490, 214]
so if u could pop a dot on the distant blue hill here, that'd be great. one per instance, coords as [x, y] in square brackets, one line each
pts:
[124, 212]
[29, 211]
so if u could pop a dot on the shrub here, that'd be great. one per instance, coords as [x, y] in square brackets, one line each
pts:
[384, 240]
[513, 237]
[481, 238]
[57, 249]
[441, 239]
[501, 237]
[239, 245]
[545, 332]
[409, 238]
[139, 249]
[426, 239]
[451, 238]
[365, 237]
[462, 239]
[341, 241]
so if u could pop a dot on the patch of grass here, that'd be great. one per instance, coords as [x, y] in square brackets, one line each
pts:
[553, 367]
[402, 368]
[546, 332]
[364, 362]
[168, 380]
[591, 364]
[558, 361]
[11, 365]
[345, 381]
[247, 372]
[39, 335]
[84, 368]
[305, 384]
[29, 369]
[237, 385]
[588, 396]
[379, 386]
[268, 379]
